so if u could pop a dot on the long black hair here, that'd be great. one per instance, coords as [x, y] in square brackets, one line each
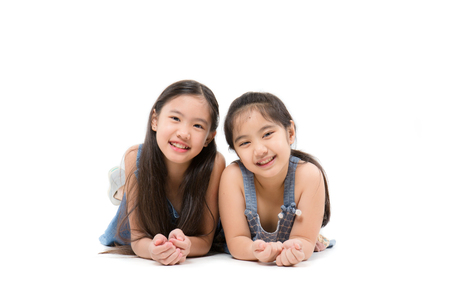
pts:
[150, 210]
[273, 109]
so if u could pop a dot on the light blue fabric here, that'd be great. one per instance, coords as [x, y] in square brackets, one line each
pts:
[287, 215]
[285, 218]
[110, 238]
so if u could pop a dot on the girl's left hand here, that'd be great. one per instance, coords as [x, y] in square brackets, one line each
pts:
[292, 253]
[180, 241]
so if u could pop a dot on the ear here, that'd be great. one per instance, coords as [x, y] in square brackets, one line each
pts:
[154, 121]
[210, 138]
[291, 133]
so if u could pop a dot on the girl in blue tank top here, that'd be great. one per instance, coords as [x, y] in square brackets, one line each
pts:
[268, 176]
[168, 191]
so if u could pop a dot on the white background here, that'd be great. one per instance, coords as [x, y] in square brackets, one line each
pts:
[367, 84]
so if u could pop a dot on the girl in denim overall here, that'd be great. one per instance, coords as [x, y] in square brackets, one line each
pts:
[169, 188]
[270, 175]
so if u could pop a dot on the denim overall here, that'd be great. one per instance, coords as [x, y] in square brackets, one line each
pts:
[288, 209]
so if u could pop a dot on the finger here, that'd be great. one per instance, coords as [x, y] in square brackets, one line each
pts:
[291, 258]
[287, 258]
[259, 245]
[166, 253]
[278, 260]
[276, 250]
[289, 244]
[298, 245]
[299, 255]
[177, 234]
[162, 248]
[265, 254]
[178, 258]
[179, 244]
[279, 247]
[159, 239]
[172, 259]
[283, 258]
[182, 259]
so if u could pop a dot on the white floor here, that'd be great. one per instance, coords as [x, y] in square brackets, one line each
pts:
[365, 273]
[367, 84]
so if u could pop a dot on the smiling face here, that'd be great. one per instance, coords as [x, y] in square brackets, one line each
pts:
[263, 146]
[183, 128]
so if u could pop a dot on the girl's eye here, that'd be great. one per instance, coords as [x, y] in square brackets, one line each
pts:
[243, 144]
[198, 126]
[268, 134]
[175, 119]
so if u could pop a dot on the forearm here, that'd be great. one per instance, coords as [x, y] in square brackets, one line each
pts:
[199, 245]
[142, 247]
[241, 248]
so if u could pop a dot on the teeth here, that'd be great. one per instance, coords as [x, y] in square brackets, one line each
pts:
[179, 146]
[265, 161]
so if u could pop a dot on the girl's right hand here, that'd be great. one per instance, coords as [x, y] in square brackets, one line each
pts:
[266, 252]
[163, 251]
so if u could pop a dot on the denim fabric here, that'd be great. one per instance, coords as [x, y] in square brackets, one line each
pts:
[109, 238]
[287, 215]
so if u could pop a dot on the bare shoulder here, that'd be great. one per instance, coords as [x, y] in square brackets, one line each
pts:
[307, 175]
[219, 163]
[232, 173]
[130, 158]
[231, 189]
[231, 179]
[132, 151]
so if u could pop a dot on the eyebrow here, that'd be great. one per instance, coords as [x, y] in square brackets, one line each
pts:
[195, 119]
[260, 130]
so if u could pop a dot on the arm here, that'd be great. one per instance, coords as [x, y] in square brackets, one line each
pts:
[158, 249]
[232, 208]
[310, 195]
[193, 246]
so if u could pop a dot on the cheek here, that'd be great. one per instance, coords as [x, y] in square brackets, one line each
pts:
[244, 154]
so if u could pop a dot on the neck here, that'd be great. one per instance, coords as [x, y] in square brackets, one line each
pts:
[271, 183]
[175, 172]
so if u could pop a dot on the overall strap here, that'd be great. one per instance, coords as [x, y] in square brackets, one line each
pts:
[137, 160]
[249, 188]
[289, 183]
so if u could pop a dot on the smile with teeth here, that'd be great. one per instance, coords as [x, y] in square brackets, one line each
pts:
[265, 161]
[180, 146]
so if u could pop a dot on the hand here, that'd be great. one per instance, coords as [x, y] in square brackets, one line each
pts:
[181, 242]
[266, 252]
[319, 246]
[292, 253]
[164, 251]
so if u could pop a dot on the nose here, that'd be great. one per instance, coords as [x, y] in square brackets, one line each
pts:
[260, 150]
[183, 134]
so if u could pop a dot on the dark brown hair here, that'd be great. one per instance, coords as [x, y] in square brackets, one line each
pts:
[151, 210]
[273, 109]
